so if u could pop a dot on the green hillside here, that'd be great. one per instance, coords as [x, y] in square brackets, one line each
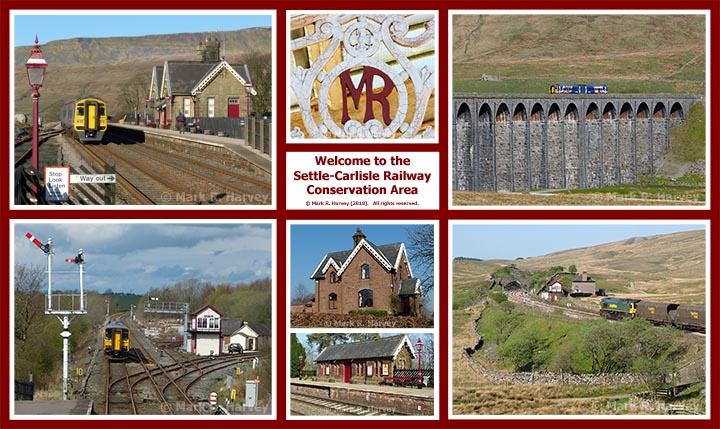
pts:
[629, 53]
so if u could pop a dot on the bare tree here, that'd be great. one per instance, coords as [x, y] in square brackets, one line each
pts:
[29, 281]
[301, 294]
[260, 67]
[421, 250]
[133, 95]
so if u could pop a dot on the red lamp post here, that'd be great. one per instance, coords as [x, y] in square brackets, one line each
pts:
[35, 66]
[419, 347]
[198, 94]
[300, 357]
[168, 111]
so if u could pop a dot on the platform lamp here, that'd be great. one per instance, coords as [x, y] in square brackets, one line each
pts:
[35, 66]
[198, 112]
[419, 348]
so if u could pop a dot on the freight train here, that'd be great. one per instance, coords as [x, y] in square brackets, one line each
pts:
[116, 340]
[683, 316]
[574, 88]
[86, 118]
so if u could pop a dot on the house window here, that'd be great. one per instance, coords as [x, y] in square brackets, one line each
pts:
[385, 369]
[327, 369]
[186, 107]
[365, 271]
[211, 107]
[251, 344]
[332, 301]
[365, 298]
[208, 323]
[333, 277]
[369, 370]
[401, 364]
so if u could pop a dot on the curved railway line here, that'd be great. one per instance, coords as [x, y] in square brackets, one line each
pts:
[171, 174]
[519, 296]
[150, 387]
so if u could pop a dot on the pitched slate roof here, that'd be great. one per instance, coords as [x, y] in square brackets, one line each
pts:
[388, 255]
[387, 347]
[183, 75]
[259, 329]
[228, 326]
[409, 286]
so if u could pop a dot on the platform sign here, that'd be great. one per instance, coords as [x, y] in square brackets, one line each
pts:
[93, 178]
[57, 183]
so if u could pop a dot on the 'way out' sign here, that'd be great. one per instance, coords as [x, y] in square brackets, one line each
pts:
[93, 178]
[57, 183]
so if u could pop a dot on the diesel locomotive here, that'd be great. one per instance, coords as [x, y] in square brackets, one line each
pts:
[116, 340]
[683, 316]
[86, 118]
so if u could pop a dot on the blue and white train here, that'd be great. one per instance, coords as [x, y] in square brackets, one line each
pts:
[573, 88]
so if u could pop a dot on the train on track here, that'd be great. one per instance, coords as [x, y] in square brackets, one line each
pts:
[683, 316]
[86, 117]
[574, 88]
[116, 340]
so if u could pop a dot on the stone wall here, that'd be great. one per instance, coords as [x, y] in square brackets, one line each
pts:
[539, 377]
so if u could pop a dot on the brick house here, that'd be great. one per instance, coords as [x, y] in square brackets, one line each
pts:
[210, 87]
[370, 361]
[366, 277]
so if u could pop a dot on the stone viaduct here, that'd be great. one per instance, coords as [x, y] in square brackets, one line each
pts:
[517, 142]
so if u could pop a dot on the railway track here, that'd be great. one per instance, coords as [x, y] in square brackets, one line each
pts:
[303, 404]
[119, 397]
[155, 174]
[520, 297]
[23, 147]
[153, 385]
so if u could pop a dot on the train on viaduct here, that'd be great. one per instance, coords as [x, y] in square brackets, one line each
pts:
[517, 142]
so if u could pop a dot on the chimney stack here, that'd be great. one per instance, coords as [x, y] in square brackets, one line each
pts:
[357, 237]
[209, 51]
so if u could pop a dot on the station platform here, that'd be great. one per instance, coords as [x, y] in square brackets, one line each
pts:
[42, 408]
[404, 400]
[238, 146]
[426, 392]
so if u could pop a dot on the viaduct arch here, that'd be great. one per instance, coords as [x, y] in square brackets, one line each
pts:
[519, 142]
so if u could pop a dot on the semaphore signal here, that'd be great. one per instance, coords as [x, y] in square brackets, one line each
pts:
[77, 260]
[38, 243]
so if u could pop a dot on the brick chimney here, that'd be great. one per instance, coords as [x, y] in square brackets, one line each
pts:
[357, 237]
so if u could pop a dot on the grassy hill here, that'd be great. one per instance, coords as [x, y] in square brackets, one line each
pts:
[668, 268]
[105, 66]
[629, 53]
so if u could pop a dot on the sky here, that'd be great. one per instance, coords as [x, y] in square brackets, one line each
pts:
[310, 243]
[503, 241]
[135, 257]
[50, 27]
